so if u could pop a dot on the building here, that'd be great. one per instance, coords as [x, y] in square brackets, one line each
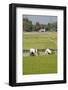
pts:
[42, 30]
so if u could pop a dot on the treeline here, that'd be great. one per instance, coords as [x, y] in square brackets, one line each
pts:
[29, 27]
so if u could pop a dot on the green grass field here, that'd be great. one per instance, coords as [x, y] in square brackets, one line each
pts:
[40, 64]
[40, 40]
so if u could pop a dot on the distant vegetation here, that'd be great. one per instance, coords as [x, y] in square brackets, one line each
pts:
[29, 27]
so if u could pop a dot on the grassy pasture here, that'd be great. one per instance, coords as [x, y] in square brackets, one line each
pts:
[40, 40]
[40, 64]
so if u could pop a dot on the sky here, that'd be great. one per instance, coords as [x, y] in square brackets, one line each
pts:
[41, 19]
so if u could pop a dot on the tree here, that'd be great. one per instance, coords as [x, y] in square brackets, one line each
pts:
[37, 26]
[27, 25]
[42, 26]
[51, 26]
[33, 27]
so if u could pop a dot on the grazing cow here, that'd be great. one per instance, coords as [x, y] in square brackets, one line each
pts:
[33, 52]
[48, 51]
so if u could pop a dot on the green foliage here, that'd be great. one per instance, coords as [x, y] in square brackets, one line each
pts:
[51, 26]
[43, 26]
[29, 27]
[37, 26]
[33, 27]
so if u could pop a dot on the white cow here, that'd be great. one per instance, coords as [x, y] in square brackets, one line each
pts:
[33, 52]
[48, 51]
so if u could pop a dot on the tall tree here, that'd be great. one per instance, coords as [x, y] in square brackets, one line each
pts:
[37, 26]
[27, 25]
